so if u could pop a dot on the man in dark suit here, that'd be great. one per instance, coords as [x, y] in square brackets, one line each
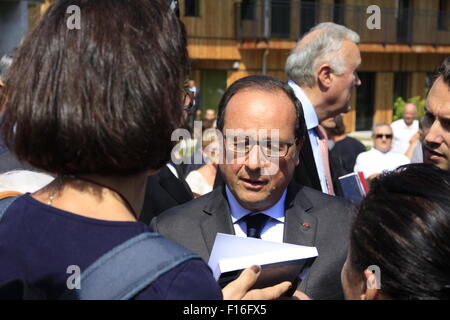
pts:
[258, 198]
[164, 190]
[322, 72]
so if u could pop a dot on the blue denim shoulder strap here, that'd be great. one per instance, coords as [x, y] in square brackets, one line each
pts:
[4, 205]
[128, 268]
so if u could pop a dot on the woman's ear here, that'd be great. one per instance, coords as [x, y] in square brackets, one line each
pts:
[370, 287]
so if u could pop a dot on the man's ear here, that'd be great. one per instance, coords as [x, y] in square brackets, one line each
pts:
[324, 76]
[369, 287]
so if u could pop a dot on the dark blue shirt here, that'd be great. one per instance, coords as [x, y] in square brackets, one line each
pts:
[38, 242]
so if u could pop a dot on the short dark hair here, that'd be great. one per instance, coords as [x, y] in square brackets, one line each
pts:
[104, 99]
[263, 83]
[339, 129]
[443, 70]
[403, 227]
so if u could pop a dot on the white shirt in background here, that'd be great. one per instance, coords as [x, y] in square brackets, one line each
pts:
[375, 161]
[402, 134]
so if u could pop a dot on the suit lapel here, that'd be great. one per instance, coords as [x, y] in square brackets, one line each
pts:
[299, 226]
[217, 218]
[177, 188]
[306, 172]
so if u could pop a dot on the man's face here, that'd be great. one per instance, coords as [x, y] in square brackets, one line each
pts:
[436, 126]
[210, 115]
[255, 109]
[409, 114]
[342, 86]
[382, 138]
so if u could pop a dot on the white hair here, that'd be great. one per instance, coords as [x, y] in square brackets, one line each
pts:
[325, 47]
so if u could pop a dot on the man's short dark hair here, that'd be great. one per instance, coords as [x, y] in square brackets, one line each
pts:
[443, 70]
[104, 99]
[403, 227]
[339, 129]
[267, 84]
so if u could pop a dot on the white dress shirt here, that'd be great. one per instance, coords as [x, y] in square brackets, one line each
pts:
[375, 161]
[272, 231]
[402, 134]
[311, 123]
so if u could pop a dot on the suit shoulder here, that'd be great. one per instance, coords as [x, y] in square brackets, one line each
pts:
[187, 210]
[335, 204]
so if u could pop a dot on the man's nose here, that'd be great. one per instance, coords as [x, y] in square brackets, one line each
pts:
[255, 159]
[433, 135]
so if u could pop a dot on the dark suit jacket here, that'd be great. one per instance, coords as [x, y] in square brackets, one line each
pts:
[196, 223]
[164, 191]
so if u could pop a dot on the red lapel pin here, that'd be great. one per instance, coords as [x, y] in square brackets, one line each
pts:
[305, 224]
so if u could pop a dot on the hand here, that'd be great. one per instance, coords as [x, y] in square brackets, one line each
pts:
[300, 295]
[415, 138]
[373, 176]
[239, 288]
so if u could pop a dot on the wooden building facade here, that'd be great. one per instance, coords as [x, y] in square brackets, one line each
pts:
[230, 39]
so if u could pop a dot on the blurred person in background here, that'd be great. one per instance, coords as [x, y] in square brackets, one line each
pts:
[345, 149]
[201, 181]
[405, 129]
[380, 158]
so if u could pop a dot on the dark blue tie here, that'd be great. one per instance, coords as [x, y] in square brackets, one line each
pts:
[255, 224]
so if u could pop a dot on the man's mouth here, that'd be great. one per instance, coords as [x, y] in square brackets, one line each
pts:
[254, 183]
[433, 154]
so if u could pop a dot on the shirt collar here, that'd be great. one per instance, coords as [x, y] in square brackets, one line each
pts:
[308, 109]
[238, 212]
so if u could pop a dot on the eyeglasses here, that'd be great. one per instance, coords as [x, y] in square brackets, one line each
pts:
[243, 145]
[380, 135]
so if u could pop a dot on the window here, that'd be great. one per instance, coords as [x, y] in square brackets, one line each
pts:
[403, 21]
[191, 8]
[338, 12]
[401, 85]
[365, 101]
[443, 15]
[307, 15]
[248, 10]
[281, 18]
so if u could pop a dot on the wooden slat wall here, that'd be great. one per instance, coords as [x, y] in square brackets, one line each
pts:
[384, 86]
[216, 19]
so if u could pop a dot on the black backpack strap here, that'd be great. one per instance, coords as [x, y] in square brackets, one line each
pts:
[128, 268]
[4, 205]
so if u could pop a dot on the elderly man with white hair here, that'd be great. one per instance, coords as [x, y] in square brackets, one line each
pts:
[322, 72]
